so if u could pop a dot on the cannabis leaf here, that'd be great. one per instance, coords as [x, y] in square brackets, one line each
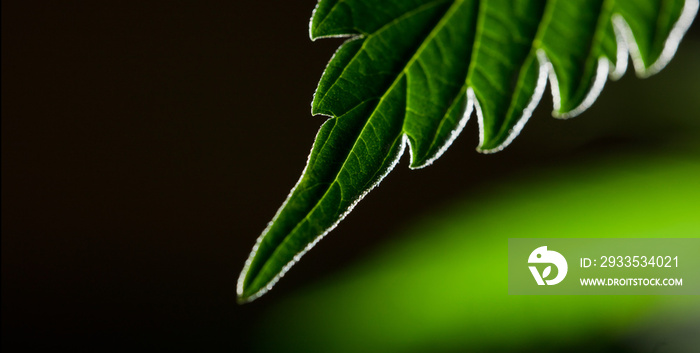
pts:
[413, 71]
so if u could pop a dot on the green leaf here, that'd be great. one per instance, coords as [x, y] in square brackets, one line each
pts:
[411, 73]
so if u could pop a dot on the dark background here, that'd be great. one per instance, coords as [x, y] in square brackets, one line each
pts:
[145, 145]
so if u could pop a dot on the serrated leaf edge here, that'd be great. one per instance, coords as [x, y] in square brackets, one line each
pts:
[626, 47]
[690, 10]
[274, 280]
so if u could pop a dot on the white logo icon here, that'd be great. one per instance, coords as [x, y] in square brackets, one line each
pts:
[543, 256]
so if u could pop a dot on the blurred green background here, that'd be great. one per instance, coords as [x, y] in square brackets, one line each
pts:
[145, 145]
[441, 285]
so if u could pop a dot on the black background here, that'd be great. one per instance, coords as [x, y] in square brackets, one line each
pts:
[144, 147]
